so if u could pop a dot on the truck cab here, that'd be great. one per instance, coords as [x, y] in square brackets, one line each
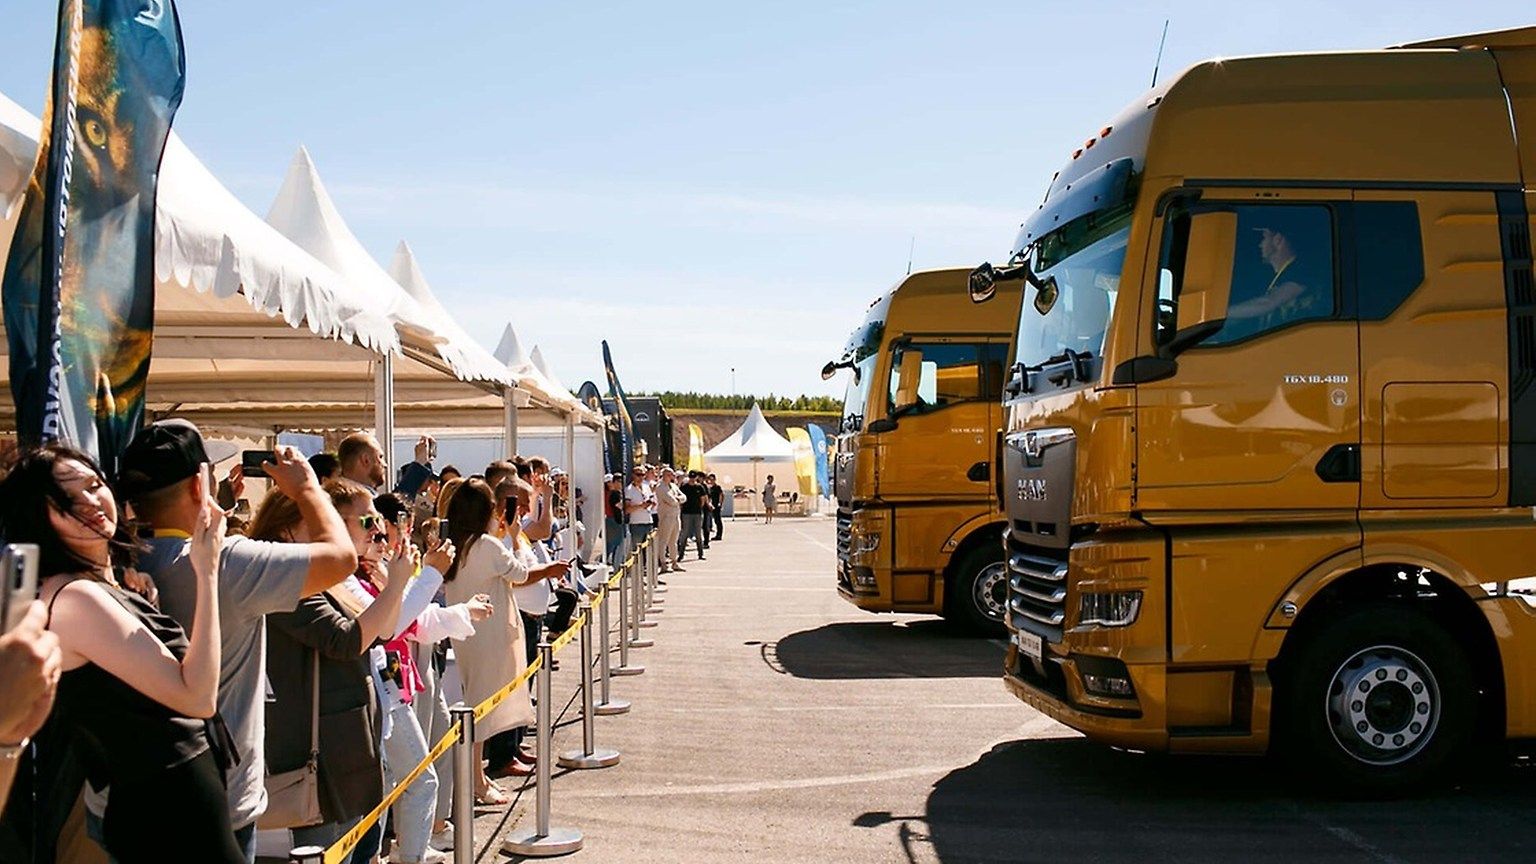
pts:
[918, 522]
[1270, 446]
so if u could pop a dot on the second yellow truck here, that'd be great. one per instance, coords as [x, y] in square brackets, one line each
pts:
[918, 521]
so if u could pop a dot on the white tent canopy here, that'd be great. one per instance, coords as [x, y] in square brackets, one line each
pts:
[304, 212]
[758, 444]
[561, 392]
[235, 298]
[238, 307]
[205, 239]
[754, 441]
[509, 351]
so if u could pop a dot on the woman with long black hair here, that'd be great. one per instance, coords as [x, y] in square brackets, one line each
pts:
[136, 699]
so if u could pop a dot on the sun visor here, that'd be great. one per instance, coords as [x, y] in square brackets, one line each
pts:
[1103, 188]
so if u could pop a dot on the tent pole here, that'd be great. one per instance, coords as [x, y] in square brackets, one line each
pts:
[570, 485]
[384, 409]
[509, 420]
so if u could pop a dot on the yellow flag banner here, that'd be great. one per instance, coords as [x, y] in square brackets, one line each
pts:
[805, 460]
[695, 447]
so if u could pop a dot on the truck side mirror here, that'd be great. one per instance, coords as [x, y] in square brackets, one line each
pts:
[1207, 283]
[910, 372]
[982, 283]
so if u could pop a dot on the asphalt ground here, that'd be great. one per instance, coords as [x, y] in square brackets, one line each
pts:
[775, 722]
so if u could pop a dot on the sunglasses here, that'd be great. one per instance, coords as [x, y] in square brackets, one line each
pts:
[371, 522]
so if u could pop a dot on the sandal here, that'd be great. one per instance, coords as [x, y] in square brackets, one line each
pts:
[491, 797]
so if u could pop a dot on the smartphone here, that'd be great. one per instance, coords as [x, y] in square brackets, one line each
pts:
[431, 449]
[252, 460]
[18, 567]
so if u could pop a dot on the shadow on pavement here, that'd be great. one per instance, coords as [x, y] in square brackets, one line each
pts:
[884, 649]
[1072, 800]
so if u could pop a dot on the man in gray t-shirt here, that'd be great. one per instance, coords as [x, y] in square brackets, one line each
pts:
[162, 475]
[255, 578]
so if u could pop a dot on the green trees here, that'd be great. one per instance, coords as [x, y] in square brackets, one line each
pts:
[720, 402]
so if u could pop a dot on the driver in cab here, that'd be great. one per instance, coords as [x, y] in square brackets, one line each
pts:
[1290, 296]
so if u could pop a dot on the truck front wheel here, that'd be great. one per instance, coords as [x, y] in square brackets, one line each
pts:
[978, 591]
[1379, 701]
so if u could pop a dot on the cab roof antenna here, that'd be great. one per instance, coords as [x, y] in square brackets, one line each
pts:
[911, 247]
[1159, 61]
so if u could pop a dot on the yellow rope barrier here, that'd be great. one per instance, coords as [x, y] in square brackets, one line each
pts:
[344, 847]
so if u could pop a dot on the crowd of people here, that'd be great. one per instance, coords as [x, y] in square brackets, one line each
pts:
[275, 666]
[652, 499]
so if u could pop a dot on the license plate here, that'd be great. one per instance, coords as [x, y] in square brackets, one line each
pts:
[1030, 645]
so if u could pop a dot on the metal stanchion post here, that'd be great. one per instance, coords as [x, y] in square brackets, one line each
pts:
[588, 756]
[307, 855]
[648, 603]
[607, 704]
[625, 667]
[542, 841]
[637, 595]
[465, 770]
[656, 586]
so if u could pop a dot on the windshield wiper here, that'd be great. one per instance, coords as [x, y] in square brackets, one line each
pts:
[1079, 367]
[1019, 379]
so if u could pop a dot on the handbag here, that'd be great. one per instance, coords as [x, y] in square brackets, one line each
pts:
[293, 797]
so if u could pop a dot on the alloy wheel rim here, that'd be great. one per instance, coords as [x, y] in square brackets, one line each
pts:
[1383, 705]
[991, 591]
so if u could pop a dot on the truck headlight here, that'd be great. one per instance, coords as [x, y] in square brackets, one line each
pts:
[1109, 609]
[863, 544]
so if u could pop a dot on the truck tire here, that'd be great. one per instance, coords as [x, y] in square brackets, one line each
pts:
[978, 591]
[1379, 701]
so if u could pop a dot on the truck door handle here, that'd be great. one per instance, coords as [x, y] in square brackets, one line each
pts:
[981, 472]
[1341, 464]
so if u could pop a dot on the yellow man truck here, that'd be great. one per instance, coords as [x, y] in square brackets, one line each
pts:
[1270, 450]
[918, 521]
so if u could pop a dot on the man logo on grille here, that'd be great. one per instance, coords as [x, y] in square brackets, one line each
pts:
[1032, 489]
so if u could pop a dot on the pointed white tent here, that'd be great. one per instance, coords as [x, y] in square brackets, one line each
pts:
[234, 298]
[537, 358]
[404, 269]
[510, 352]
[304, 212]
[205, 239]
[753, 440]
[406, 272]
[757, 443]
[560, 391]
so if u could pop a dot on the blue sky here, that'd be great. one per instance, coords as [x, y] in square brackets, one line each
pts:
[707, 185]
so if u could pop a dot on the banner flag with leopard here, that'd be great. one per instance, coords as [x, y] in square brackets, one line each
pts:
[79, 285]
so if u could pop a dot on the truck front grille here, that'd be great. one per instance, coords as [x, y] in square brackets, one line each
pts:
[1037, 589]
[844, 534]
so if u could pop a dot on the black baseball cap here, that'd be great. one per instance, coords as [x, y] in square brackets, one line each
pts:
[164, 453]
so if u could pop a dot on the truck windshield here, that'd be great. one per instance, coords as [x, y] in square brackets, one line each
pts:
[856, 397]
[862, 350]
[1085, 262]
